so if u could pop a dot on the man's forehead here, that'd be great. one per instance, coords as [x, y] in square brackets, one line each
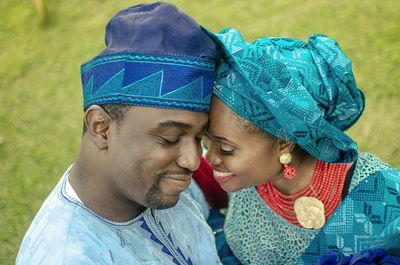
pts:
[173, 123]
[169, 118]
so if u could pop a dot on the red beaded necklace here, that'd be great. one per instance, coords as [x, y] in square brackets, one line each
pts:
[326, 185]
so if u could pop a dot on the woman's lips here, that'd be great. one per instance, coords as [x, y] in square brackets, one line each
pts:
[222, 177]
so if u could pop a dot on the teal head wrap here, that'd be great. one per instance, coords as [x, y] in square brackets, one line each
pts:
[299, 92]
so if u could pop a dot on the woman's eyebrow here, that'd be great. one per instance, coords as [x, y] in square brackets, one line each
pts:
[220, 138]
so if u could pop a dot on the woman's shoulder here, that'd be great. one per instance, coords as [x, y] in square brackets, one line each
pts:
[368, 165]
[370, 159]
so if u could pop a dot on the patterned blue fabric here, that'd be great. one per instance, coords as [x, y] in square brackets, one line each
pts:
[300, 92]
[369, 217]
[370, 256]
[149, 79]
[155, 55]
[66, 232]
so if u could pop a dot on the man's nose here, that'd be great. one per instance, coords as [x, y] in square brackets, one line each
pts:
[189, 157]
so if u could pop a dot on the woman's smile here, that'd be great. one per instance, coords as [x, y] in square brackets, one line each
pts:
[222, 177]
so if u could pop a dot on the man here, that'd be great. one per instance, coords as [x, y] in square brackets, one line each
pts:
[123, 201]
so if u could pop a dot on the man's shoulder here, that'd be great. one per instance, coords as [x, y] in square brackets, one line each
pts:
[55, 227]
[60, 234]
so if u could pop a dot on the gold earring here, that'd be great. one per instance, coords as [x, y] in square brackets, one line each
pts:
[289, 172]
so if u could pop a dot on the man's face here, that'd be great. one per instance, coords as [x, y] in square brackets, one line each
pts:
[153, 153]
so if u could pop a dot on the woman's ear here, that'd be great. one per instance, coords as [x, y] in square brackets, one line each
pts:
[286, 147]
[98, 124]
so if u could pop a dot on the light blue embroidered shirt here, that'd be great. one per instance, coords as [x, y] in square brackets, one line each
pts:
[66, 232]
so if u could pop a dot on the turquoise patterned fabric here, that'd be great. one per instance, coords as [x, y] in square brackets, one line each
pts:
[65, 232]
[300, 92]
[369, 217]
[149, 79]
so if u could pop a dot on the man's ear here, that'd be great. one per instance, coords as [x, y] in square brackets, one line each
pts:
[98, 126]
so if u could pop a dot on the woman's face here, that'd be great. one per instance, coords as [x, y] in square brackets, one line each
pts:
[240, 158]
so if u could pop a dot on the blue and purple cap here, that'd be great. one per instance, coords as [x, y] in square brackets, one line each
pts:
[155, 56]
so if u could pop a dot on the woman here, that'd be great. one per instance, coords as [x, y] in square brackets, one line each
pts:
[300, 188]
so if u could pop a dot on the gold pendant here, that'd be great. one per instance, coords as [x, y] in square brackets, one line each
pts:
[310, 212]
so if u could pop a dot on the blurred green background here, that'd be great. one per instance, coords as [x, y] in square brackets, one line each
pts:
[40, 90]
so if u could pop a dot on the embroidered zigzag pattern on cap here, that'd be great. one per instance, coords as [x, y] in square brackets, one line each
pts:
[149, 79]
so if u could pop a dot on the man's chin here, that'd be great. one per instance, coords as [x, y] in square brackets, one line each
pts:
[163, 204]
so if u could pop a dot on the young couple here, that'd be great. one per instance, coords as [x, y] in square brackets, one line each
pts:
[298, 185]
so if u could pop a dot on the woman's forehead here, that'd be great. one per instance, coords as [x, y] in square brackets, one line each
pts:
[225, 124]
[221, 116]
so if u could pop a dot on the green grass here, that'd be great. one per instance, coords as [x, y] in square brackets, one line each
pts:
[40, 90]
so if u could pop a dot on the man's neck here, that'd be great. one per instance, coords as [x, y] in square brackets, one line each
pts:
[91, 184]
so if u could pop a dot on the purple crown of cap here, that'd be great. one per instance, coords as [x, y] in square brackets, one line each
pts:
[158, 27]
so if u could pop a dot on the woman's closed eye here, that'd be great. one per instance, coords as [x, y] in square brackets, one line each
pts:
[227, 149]
[223, 147]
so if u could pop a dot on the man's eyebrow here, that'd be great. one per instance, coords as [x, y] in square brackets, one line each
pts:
[175, 124]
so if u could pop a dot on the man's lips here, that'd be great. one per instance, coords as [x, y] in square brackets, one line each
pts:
[180, 181]
[222, 177]
[179, 177]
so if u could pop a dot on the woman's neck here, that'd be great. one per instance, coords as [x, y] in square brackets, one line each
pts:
[304, 172]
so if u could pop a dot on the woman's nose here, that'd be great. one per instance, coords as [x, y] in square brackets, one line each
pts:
[212, 155]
